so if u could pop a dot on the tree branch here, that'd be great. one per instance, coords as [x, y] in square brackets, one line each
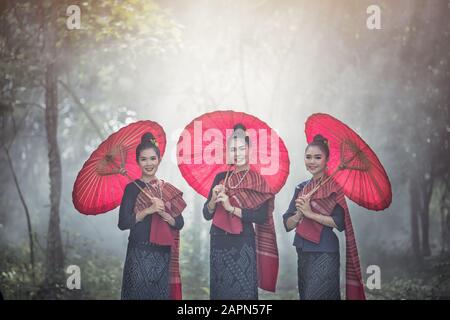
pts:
[85, 111]
[24, 204]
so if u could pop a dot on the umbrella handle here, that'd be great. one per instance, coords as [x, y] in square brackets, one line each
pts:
[342, 166]
[314, 190]
[226, 176]
[131, 180]
[142, 190]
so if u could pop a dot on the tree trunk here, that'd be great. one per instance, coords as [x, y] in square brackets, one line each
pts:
[425, 217]
[414, 207]
[54, 257]
[444, 213]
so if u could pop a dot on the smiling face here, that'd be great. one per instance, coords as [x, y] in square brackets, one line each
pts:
[315, 160]
[239, 152]
[149, 162]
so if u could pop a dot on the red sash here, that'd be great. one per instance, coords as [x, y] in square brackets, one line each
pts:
[323, 202]
[161, 233]
[251, 193]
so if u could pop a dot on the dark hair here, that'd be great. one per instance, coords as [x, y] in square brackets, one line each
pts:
[148, 141]
[239, 132]
[321, 142]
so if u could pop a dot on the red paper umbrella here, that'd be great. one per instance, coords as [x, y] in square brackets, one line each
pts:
[99, 187]
[201, 149]
[352, 163]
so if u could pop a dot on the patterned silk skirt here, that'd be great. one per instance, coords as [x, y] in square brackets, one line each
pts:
[233, 273]
[146, 272]
[318, 275]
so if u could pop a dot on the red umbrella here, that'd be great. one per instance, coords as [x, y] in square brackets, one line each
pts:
[201, 149]
[98, 187]
[352, 163]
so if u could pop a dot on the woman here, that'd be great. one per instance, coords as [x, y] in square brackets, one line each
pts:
[151, 210]
[314, 217]
[239, 258]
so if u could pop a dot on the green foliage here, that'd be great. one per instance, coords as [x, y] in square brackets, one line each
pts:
[125, 24]
[15, 276]
[430, 281]
[400, 289]
[101, 274]
[101, 270]
[117, 33]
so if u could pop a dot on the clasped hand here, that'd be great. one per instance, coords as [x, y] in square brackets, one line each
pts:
[158, 207]
[219, 195]
[303, 206]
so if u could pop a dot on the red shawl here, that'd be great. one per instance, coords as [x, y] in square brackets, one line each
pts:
[251, 193]
[161, 233]
[323, 201]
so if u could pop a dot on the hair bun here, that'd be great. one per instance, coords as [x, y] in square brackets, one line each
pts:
[148, 137]
[239, 126]
[148, 141]
[321, 139]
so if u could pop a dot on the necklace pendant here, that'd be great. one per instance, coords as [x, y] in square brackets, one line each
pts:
[240, 181]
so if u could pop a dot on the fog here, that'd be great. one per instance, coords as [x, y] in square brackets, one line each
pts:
[280, 61]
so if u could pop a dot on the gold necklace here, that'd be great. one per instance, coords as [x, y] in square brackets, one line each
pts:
[240, 181]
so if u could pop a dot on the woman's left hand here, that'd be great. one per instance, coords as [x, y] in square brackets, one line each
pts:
[305, 207]
[223, 197]
[167, 217]
[164, 215]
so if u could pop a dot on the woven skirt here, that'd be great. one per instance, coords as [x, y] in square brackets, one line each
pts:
[233, 273]
[146, 273]
[318, 275]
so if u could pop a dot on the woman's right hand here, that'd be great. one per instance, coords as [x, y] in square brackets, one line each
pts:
[157, 206]
[294, 220]
[216, 191]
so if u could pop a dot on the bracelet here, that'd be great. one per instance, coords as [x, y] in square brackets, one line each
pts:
[299, 219]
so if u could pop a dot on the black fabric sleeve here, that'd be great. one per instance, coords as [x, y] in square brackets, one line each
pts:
[258, 215]
[206, 214]
[338, 217]
[179, 222]
[127, 218]
[291, 210]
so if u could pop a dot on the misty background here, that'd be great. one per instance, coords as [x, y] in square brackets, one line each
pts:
[171, 61]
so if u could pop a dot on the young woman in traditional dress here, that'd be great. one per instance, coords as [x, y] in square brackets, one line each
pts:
[314, 217]
[241, 259]
[151, 209]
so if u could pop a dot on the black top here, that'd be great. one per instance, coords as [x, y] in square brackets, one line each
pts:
[259, 215]
[139, 231]
[328, 239]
